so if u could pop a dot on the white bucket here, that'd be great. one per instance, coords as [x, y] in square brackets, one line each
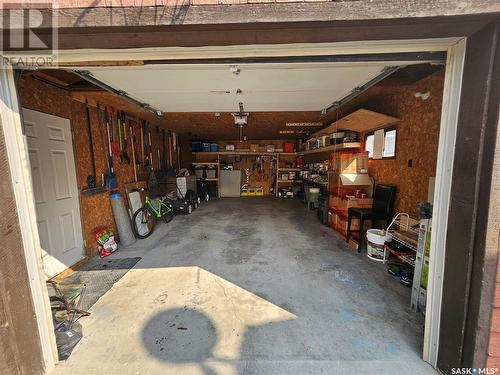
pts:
[375, 243]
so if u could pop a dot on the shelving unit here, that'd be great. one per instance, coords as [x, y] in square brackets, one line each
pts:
[332, 148]
[242, 152]
[205, 163]
[360, 120]
[208, 163]
[289, 169]
[284, 169]
[419, 291]
[406, 234]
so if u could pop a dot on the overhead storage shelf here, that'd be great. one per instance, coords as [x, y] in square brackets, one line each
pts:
[332, 148]
[361, 120]
[243, 152]
[289, 169]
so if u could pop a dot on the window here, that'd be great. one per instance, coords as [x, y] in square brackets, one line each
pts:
[389, 144]
[369, 145]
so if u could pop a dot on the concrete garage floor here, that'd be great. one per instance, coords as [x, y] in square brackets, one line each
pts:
[250, 286]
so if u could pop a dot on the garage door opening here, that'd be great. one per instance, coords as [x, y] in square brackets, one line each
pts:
[298, 160]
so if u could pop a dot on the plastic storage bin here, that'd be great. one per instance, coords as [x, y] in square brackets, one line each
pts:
[214, 147]
[196, 146]
[210, 173]
[313, 198]
[323, 209]
[206, 147]
[288, 147]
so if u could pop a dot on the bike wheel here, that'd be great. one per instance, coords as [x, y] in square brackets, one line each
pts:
[143, 222]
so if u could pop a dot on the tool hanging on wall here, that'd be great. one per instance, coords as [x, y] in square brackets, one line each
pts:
[147, 160]
[119, 126]
[124, 142]
[115, 147]
[163, 152]
[110, 179]
[169, 147]
[143, 161]
[132, 140]
[104, 138]
[158, 144]
[150, 148]
[91, 179]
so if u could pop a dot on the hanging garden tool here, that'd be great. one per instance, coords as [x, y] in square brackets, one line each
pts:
[150, 148]
[91, 179]
[115, 147]
[119, 126]
[158, 144]
[147, 156]
[104, 138]
[125, 143]
[143, 156]
[163, 151]
[110, 179]
[132, 140]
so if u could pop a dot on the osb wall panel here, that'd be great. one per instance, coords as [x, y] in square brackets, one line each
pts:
[20, 351]
[96, 209]
[417, 137]
[42, 97]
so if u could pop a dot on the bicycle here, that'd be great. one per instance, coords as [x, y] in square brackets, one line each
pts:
[145, 218]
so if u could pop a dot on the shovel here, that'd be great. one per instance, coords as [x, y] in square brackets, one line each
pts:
[124, 142]
[110, 181]
[115, 147]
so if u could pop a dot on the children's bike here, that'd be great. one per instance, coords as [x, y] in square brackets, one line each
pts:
[145, 218]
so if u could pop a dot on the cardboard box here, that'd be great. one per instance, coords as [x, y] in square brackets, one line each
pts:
[349, 162]
[270, 148]
[344, 204]
[254, 147]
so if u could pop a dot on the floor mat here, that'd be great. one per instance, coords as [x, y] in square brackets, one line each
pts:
[99, 275]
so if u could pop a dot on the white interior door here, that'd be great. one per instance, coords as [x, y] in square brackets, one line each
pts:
[55, 189]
